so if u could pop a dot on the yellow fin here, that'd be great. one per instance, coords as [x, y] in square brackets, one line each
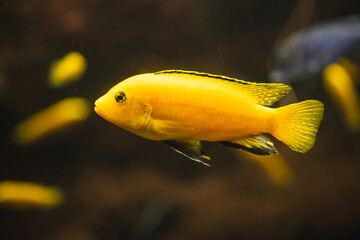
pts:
[264, 93]
[158, 129]
[296, 124]
[267, 93]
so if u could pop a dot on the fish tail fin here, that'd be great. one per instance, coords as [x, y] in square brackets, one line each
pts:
[296, 124]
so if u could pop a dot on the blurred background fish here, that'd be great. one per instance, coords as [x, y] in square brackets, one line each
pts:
[309, 54]
[275, 166]
[116, 189]
[23, 195]
[340, 85]
[67, 70]
[306, 53]
[56, 117]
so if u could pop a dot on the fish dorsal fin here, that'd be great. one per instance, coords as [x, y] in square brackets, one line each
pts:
[264, 93]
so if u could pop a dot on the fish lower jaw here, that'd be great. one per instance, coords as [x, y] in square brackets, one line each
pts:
[99, 111]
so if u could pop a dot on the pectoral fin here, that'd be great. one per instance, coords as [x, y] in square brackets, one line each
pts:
[167, 129]
[257, 144]
[190, 149]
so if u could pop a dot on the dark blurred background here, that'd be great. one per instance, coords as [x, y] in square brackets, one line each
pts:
[120, 186]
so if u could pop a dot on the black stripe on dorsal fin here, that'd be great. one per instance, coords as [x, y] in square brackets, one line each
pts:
[203, 74]
[263, 93]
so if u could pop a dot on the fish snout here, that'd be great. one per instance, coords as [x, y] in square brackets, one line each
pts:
[97, 102]
[98, 108]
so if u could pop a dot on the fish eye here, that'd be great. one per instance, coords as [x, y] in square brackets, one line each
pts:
[120, 97]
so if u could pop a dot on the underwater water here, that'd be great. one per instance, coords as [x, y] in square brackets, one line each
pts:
[112, 184]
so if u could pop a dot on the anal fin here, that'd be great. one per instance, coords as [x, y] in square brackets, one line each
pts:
[190, 149]
[257, 144]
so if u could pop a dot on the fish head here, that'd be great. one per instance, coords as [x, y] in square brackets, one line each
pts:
[123, 105]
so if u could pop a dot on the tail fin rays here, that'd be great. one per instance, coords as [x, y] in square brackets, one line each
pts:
[297, 124]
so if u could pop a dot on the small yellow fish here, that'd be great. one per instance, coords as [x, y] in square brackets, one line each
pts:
[339, 82]
[59, 115]
[67, 70]
[183, 108]
[275, 166]
[29, 195]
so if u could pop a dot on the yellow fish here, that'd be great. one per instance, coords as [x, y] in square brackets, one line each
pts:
[28, 194]
[183, 108]
[61, 114]
[67, 70]
[275, 166]
[339, 82]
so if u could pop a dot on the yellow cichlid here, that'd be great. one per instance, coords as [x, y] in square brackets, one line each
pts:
[67, 70]
[275, 166]
[183, 108]
[339, 82]
[60, 115]
[29, 195]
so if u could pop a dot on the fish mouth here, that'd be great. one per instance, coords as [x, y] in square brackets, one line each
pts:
[98, 109]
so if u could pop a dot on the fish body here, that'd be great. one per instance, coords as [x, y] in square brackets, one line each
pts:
[54, 118]
[185, 107]
[305, 53]
[339, 84]
[29, 195]
[67, 70]
[181, 114]
[275, 166]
